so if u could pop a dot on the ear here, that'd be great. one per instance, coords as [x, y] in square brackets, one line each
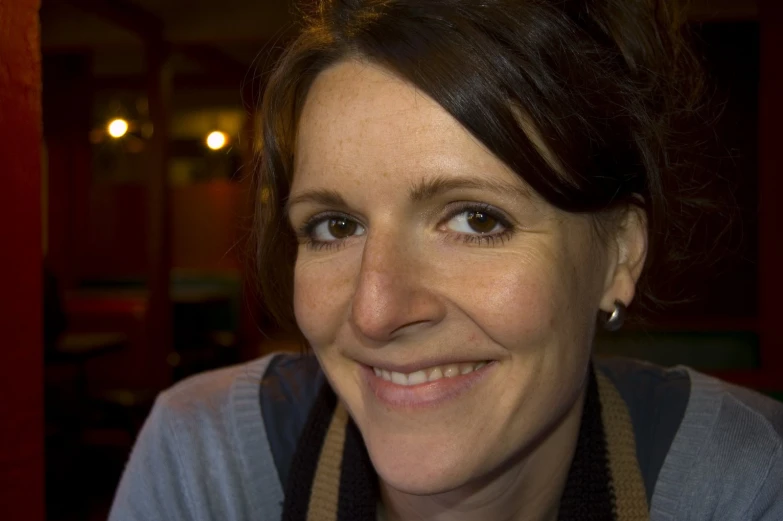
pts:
[627, 253]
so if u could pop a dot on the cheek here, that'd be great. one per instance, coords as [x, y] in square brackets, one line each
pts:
[531, 298]
[515, 303]
[322, 292]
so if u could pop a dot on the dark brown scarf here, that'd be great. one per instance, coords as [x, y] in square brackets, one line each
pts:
[332, 478]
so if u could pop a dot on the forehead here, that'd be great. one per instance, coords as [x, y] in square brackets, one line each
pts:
[362, 121]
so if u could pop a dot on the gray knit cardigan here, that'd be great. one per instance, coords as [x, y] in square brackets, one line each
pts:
[216, 447]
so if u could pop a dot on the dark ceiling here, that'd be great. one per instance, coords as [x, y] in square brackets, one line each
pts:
[216, 46]
[206, 37]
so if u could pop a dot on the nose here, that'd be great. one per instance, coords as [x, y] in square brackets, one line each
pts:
[394, 295]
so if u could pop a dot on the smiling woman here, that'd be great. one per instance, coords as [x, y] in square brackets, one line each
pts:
[457, 195]
[450, 278]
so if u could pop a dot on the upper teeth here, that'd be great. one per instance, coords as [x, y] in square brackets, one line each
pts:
[428, 375]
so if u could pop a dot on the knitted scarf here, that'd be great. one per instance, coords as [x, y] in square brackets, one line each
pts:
[332, 478]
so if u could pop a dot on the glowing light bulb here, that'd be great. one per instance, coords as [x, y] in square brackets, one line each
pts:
[118, 127]
[216, 140]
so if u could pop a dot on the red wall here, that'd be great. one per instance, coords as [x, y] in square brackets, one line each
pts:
[21, 353]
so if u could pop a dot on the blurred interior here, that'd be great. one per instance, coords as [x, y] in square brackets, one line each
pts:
[148, 119]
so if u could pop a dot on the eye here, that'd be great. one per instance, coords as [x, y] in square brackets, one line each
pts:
[334, 228]
[476, 221]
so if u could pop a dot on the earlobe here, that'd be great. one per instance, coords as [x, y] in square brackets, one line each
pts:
[631, 252]
[621, 289]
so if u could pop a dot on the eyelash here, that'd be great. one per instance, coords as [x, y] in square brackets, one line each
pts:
[491, 239]
[305, 232]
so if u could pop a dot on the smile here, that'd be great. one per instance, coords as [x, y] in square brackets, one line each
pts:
[425, 388]
[430, 374]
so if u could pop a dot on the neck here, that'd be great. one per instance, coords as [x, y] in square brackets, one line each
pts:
[528, 489]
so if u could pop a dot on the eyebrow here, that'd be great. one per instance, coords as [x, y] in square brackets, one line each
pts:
[423, 190]
[322, 196]
[430, 188]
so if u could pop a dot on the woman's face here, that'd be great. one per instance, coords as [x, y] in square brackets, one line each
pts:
[450, 307]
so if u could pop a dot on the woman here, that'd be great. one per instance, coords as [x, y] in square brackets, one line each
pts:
[453, 195]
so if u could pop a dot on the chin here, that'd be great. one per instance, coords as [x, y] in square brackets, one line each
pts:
[421, 470]
[417, 482]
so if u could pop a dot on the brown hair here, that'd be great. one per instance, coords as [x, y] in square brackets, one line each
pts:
[603, 82]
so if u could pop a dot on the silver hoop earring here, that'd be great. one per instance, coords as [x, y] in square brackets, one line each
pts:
[615, 320]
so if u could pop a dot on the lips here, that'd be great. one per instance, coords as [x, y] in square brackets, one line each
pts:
[425, 388]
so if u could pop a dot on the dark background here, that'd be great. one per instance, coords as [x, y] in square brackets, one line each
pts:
[140, 241]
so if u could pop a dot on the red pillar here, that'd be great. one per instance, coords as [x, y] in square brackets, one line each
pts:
[21, 354]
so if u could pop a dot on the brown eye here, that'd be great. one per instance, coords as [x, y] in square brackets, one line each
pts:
[333, 229]
[481, 222]
[341, 228]
[477, 222]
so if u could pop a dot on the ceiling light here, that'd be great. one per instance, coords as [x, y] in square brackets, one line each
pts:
[117, 128]
[217, 140]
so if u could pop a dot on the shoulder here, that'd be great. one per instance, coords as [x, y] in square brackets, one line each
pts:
[741, 407]
[239, 393]
[714, 449]
[212, 409]
[203, 452]
[256, 410]
[727, 457]
[212, 395]
[263, 403]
